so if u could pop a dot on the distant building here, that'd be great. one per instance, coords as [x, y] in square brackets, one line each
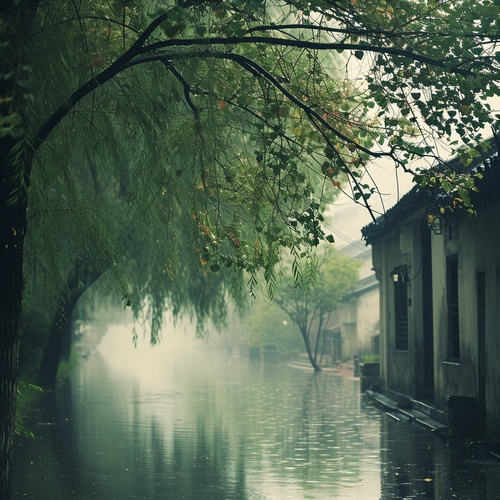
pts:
[440, 301]
[356, 329]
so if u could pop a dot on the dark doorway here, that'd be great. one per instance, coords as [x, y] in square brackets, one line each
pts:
[428, 333]
[481, 349]
[453, 307]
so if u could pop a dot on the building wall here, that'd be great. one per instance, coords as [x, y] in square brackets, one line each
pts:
[484, 233]
[476, 241]
[359, 322]
[359, 315]
[454, 377]
[368, 314]
[397, 367]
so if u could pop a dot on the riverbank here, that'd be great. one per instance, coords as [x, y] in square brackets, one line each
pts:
[345, 368]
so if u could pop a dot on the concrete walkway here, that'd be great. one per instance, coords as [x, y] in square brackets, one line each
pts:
[345, 369]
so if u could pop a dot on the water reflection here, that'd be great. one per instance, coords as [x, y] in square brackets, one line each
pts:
[207, 426]
[429, 468]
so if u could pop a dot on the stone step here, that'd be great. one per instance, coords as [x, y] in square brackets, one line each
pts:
[404, 414]
[398, 417]
[382, 401]
[422, 407]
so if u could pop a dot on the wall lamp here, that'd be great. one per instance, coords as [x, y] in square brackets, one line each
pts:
[436, 223]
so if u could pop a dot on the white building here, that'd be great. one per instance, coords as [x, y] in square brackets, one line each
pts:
[357, 327]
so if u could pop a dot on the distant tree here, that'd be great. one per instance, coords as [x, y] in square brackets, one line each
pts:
[264, 323]
[310, 295]
[70, 70]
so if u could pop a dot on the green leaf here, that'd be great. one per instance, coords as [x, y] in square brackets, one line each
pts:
[170, 29]
[200, 30]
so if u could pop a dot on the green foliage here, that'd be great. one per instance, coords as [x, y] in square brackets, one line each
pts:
[205, 138]
[318, 282]
[372, 358]
[311, 290]
[211, 132]
[264, 323]
[27, 394]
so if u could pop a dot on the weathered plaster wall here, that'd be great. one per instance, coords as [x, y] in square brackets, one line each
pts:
[397, 367]
[367, 320]
[454, 377]
[379, 266]
[477, 243]
[359, 315]
[484, 232]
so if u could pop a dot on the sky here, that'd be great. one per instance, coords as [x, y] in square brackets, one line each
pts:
[347, 218]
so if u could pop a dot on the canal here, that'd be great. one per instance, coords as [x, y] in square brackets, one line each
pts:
[177, 423]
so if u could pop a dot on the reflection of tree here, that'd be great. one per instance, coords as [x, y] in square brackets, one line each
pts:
[115, 445]
[326, 437]
[159, 460]
[231, 433]
[55, 446]
[203, 467]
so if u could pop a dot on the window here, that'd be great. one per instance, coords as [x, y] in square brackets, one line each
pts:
[452, 302]
[400, 278]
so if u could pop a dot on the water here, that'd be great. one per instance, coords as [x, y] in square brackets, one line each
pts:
[191, 424]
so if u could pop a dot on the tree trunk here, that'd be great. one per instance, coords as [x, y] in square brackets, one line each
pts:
[318, 337]
[315, 365]
[12, 231]
[62, 326]
[15, 166]
[9, 351]
[68, 339]
[10, 328]
[61, 329]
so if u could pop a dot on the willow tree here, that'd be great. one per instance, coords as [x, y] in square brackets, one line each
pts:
[428, 67]
[311, 290]
[184, 199]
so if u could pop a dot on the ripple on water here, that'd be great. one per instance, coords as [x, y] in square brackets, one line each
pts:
[223, 430]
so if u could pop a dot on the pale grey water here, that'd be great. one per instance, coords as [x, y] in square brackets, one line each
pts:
[204, 425]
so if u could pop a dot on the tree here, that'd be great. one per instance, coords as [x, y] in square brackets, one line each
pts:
[82, 244]
[239, 59]
[317, 293]
[264, 323]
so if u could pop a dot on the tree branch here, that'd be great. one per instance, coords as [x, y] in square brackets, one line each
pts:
[148, 53]
[372, 33]
[185, 84]
[258, 71]
[304, 44]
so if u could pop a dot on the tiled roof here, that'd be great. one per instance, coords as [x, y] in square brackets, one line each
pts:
[489, 191]
[365, 284]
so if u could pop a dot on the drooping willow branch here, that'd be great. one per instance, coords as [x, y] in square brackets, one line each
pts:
[259, 71]
[155, 52]
[346, 168]
[187, 88]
